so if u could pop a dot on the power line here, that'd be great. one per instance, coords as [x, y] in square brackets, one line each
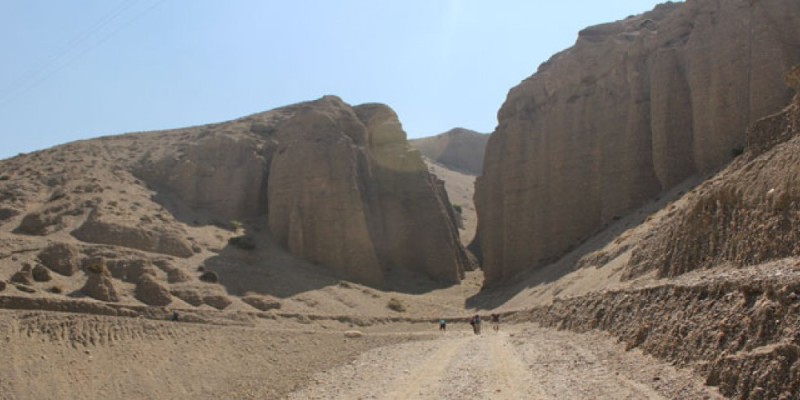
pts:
[75, 42]
[74, 46]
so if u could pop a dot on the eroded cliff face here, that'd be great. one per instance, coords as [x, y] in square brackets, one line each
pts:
[634, 108]
[339, 186]
[748, 214]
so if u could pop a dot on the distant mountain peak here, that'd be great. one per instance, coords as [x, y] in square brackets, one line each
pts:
[459, 149]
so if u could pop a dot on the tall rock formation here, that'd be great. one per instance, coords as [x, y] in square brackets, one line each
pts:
[632, 109]
[339, 186]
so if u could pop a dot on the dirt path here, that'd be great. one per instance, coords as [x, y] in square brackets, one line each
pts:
[50, 355]
[523, 363]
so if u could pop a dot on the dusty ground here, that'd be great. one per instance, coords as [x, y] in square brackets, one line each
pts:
[72, 356]
[58, 355]
[519, 362]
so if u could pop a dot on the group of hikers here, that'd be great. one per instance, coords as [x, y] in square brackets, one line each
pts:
[475, 321]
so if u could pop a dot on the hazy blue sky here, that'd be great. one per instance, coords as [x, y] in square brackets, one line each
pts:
[75, 69]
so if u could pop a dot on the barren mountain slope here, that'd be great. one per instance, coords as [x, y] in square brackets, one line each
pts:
[268, 211]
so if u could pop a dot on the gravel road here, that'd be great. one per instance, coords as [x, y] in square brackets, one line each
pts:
[519, 362]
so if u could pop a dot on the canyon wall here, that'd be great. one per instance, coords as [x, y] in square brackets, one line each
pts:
[748, 214]
[632, 109]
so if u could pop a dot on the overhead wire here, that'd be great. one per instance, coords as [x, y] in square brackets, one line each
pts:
[74, 46]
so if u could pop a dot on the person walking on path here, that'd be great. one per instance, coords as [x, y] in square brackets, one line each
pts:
[476, 324]
[443, 325]
[496, 322]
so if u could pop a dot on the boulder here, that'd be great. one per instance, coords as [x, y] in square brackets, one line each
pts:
[100, 286]
[218, 301]
[190, 296]
[41, 274]
[130, 270]
[151, 292]
[61, 258]
[24, 288]
[36, 223]
[263, 303]
[209, 277]
[174, 274]
[7, 213]
[24, 276]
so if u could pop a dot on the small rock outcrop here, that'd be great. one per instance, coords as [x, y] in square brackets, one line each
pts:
[190, 296]
[209, 277]
[162, 240]
[37, 223]
[218, 301]
[40, 273]
[149, 291]
[263, 303]
[174, 274]
[130, 270]
[24, 276]
[632, 109]
[7, 213]
[49, 218]
[100, 285]
[61, 258]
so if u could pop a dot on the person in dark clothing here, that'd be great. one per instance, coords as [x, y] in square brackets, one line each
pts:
[476, 324]
[496, 322]
[442, 325]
